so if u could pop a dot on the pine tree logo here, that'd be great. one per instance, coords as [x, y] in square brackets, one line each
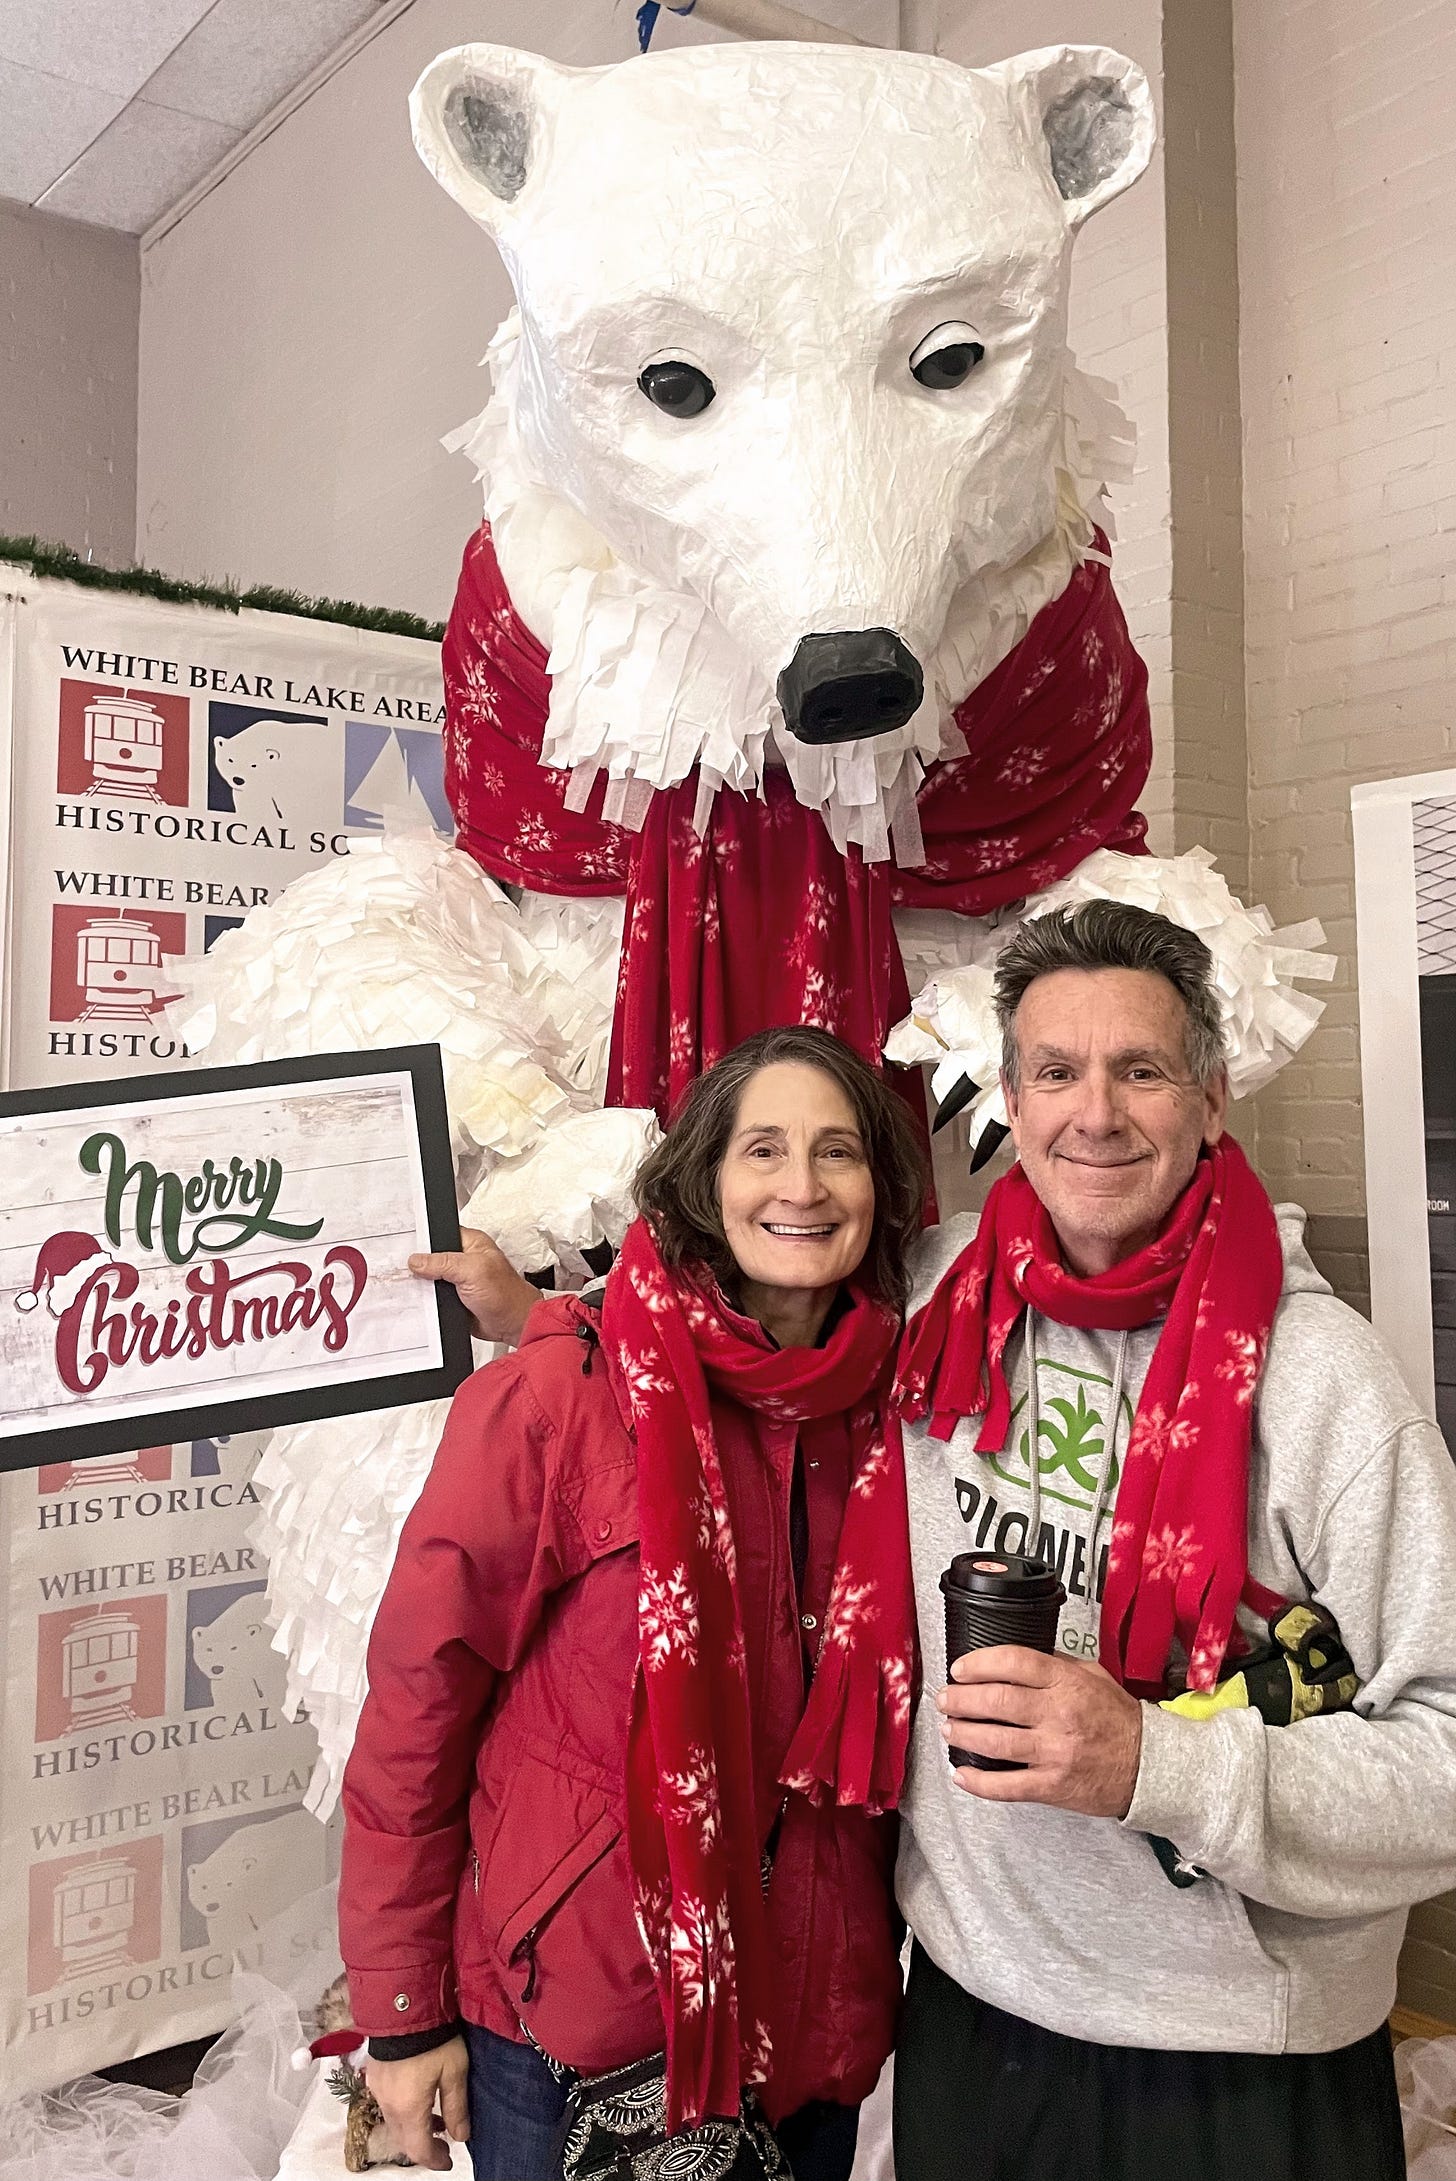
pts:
[1071, 1438]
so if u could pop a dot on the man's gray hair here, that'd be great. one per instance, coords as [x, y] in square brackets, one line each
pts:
[1113, 935]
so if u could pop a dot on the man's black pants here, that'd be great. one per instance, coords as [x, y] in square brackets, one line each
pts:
[982, 2096]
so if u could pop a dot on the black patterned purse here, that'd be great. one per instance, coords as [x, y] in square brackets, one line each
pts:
[617, 2131]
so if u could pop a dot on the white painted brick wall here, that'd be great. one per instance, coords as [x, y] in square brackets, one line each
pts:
[1346, 130]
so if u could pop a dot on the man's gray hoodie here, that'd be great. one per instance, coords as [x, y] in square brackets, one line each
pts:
[1316, 1836]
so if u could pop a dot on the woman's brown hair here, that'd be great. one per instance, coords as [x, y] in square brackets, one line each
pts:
[677, 1184]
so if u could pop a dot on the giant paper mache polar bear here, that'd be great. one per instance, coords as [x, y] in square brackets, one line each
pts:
[791, 623]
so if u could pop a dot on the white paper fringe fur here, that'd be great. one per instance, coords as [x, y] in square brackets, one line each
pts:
[952, 1022]
[646, 683]
[334, 1497]
[405, 940]
[335, 1494]
[519, 1208]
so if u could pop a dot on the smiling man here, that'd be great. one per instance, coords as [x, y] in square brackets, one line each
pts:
[1133, 1371]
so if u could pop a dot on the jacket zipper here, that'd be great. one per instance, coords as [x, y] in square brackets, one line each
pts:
[525, 1950]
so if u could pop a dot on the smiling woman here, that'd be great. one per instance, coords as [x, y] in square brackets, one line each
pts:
[639, 1688]
[789, 1167]
[797, 1199]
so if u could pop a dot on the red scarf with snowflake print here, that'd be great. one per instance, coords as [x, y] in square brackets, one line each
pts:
[694, 1832]
[1178, 1560]
[762, 920]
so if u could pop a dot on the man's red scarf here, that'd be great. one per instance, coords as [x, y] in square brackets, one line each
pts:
[1178, 1561]
[694, 1832]
[762, 920]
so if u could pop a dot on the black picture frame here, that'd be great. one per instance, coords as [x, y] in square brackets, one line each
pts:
[78, 1442]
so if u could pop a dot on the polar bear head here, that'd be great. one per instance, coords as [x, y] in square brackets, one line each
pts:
[226, 1876]
[254, 763]
[235, 1645]
[254, 1872]
[789, 382]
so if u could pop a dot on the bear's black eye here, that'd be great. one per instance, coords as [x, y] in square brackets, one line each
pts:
[946, 358]
[679, 388]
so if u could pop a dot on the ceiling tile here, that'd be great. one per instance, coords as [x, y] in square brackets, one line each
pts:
[246, 55]
[148, 158]
[113, 45]
[44, 125]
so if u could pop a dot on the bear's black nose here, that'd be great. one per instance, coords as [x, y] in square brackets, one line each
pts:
[841, 687]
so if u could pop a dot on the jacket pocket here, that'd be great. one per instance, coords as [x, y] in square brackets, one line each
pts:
[521, 1929]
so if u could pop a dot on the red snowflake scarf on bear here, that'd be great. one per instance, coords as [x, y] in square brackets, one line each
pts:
[1178, 1560]
[693, 1831]
[762, 920]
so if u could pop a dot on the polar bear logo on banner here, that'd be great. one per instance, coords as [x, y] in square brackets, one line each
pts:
[254, 1874]
[278, 771]
[787, 662]
[232, 1654]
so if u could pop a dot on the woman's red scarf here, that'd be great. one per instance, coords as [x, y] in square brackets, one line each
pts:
[1178, 1561]
[694, 1832]
[762, 920]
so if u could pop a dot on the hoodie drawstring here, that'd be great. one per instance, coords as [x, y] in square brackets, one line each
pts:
[1109, 1453]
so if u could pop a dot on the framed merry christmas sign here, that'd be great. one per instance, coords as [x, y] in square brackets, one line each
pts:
[223, 1251]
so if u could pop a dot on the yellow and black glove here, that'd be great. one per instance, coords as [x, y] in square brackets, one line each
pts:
[1303, 1670]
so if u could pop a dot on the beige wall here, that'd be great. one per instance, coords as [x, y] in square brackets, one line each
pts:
[313, 326]
[68, 383]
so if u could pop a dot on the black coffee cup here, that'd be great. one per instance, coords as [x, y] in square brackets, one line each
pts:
[998, 1597]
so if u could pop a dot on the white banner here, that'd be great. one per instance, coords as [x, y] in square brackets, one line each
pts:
[166, 768]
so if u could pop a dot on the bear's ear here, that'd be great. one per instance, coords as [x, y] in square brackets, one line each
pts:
[1094, 113]
[479, 114]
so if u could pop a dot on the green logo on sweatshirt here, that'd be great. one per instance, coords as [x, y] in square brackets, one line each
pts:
[1071, 1435]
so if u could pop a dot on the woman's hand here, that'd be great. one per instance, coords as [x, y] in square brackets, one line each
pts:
[495, 1296]
[406, 2091]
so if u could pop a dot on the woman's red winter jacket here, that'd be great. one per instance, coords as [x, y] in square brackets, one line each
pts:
[485, 1866]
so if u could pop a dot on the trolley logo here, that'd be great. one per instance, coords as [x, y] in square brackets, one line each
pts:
[110, 966]
[93, 1912]
[100, 1665]
[105, 1319]
[122, 745]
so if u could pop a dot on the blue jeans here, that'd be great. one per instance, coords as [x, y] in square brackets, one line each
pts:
[517, 2110]
[518, 2119]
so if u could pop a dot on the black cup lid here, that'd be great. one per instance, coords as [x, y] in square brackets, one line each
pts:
[1001, 1575]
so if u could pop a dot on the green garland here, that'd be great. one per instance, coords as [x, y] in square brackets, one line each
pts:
[66, 566]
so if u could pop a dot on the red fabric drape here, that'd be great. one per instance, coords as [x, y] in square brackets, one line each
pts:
[692, 1825]
[762, 920]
